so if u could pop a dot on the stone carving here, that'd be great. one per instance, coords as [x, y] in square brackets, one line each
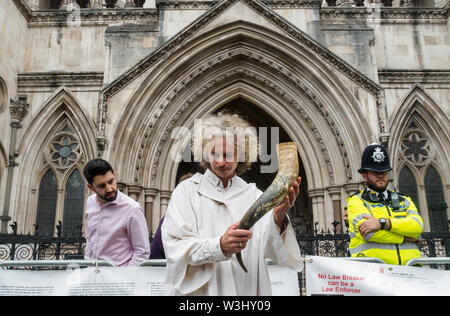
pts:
[416, 147]
[63, 151]
[18, 110]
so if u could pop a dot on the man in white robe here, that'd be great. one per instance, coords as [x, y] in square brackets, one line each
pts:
[200, 234]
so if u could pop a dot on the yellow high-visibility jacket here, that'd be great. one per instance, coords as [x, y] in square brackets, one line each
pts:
[389, 246]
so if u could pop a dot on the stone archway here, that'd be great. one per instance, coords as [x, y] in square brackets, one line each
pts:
[240, 60]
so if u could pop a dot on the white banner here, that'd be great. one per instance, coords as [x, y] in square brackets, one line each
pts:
[113, 281]
[333, 276]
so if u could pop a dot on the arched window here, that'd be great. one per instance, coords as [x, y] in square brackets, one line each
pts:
[408, 185]
[46, 210]
[73, 205]
[437, 206]
[63, 153]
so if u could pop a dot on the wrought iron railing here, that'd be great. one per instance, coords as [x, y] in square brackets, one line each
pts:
[335, 243]
[31, 247]
[330, 244]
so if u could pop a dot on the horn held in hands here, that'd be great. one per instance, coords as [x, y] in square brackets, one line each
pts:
[276, 192]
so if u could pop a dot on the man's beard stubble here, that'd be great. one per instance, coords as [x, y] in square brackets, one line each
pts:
[374, 187]
[109, 199]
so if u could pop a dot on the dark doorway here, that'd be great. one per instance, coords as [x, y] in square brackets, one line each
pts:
[301, 214]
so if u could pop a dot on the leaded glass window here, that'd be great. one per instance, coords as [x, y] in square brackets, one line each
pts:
[73, 205]
[408, 185]
[437, 207]
[46, 210]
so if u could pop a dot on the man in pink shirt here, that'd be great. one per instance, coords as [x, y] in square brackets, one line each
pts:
[116, 229]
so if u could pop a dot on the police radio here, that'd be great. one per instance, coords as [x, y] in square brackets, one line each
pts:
[395, 200]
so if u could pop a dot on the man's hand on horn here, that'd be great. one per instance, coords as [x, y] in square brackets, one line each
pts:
[234, 239]
[280, 211]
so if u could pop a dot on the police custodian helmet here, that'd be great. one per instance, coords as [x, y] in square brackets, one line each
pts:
[375, 158]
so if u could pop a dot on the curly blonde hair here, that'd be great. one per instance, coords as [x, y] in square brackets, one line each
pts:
[234, 129]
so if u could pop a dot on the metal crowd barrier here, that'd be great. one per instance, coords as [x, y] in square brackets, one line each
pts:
[163, 263]
[153, 263]
[434, 260]
[363, 259]
[55, 263]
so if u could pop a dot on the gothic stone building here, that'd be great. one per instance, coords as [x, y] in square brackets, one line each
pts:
[87, 78]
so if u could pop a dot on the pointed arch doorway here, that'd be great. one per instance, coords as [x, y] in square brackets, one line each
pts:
[301, 214]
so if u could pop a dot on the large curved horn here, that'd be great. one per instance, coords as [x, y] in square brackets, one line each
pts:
[276, 192]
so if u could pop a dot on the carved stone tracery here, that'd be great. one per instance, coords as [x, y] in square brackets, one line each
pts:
[416, 146]
[63, 151]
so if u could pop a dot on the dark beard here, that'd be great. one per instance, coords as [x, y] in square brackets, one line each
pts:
[110, 199]
[375, 188]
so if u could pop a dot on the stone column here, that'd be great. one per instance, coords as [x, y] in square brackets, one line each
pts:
[424, 211]
[164, 197]
[351, 188]
[148, 208]
[335, 193]
[134, 191]
[97, 4]
[122, 187]
[18, 110]
[318, 207]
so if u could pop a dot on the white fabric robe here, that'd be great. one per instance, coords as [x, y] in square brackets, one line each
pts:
[199, 213]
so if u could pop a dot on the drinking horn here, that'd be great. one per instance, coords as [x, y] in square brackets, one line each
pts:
[286, 176]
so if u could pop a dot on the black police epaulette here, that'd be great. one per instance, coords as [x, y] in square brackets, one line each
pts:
[353, 194]
[400, 194]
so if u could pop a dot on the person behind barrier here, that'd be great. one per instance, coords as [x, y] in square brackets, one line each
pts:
[345, 217]
[157, 248]
[383, 224]
[116, 229]
[200, 232]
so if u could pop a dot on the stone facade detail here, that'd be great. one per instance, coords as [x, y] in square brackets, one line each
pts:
[82, 79]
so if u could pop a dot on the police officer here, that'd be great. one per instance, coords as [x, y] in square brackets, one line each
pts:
[383, 224]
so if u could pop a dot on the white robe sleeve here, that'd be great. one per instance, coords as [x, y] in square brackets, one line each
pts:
[282, 248]
[189, 258]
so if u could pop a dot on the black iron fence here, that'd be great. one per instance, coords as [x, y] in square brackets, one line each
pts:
[330, 244]
[336, 245]
[29, 247]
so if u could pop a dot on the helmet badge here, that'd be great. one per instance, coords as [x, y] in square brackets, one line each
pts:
[378, 155]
